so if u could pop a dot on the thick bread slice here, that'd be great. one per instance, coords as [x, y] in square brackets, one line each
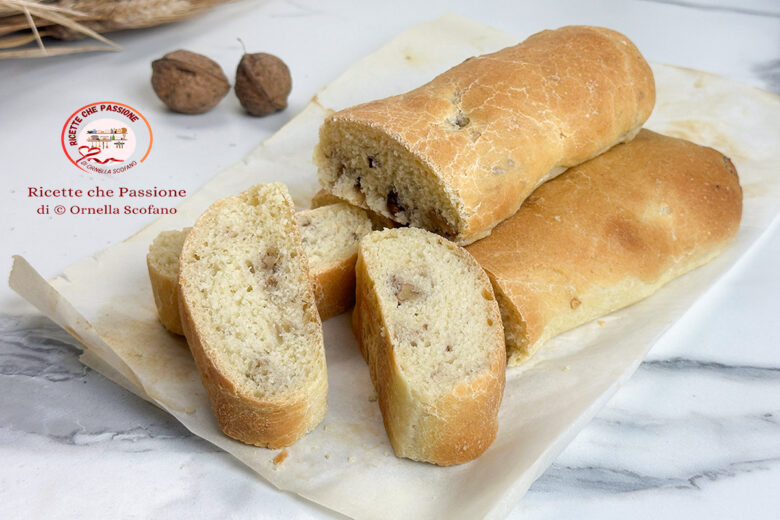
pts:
[607, 234]
[162, 262]
[330, 237]
[461, 153]
[429, 327]
[247, 309]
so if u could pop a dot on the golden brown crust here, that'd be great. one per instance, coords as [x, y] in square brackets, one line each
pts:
[470, 415]
[165, 298]
[610, 232]
[494, 127]
[261, 423]
[457, 428]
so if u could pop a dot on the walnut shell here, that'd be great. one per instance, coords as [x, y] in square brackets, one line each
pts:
[188, 82]
[263, 83]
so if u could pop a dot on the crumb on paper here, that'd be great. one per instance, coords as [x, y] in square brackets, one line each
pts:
[327, 455]
[372, 398]
[566, 368]
[351, 459]
[281, 457]
[602, 322]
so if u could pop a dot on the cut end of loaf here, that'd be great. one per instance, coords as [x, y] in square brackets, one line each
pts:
[370, 169]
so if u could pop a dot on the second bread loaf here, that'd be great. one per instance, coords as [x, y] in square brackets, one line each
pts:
[607, 234]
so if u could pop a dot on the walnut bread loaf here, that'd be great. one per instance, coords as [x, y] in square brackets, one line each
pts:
[248, 312]
[162, 261]
[330, 236]
[429, 327]
[460, 154]
[608, 233]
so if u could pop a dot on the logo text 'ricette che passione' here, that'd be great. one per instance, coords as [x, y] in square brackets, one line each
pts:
[106, 138]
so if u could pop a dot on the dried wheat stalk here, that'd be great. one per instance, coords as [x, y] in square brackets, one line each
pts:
[23, 22]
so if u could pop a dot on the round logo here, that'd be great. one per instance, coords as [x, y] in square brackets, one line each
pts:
[106, 138]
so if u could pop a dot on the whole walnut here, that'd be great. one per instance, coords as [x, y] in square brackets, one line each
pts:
[188, 82]
[263, 83]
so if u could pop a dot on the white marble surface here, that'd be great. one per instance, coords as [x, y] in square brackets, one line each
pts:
[695, 431]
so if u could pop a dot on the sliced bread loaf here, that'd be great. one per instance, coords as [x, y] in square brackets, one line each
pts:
[330, 237]
[460, 154]
[430, 329]
[247, 309]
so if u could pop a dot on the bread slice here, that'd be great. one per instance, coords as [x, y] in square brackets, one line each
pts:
[429, 327]
[162, 262]
[247, 310]
[330, 236]
[460, 154]
[608, 233]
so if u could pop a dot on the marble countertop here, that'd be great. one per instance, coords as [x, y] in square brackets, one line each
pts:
[694, 433]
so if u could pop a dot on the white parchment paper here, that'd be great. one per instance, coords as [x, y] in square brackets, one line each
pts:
[346, 463]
